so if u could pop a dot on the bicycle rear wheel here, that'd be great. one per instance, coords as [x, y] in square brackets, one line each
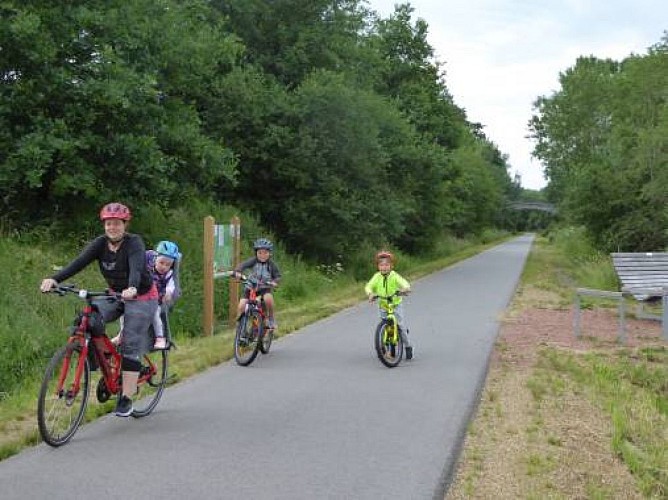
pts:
[388, 343]
[151, 384]
[61, 408]
[246, 340]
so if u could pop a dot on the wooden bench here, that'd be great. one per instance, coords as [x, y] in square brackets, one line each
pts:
[643, 276]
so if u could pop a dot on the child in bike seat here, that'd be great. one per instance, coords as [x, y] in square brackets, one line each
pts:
[386, 282]
[162, 263]
[265, 270]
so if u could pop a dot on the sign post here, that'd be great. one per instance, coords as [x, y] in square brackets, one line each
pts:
[236, 260]
[207, 310]
[222, 251]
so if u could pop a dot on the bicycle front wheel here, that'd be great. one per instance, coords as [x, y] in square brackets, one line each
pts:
[246, 340]
[61, 405]
[151, 383]
[388, 343]
[267, 337]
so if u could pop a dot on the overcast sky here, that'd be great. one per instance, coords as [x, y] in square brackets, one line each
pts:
[500, 55]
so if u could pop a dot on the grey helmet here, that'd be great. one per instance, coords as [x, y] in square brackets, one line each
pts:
[263, 243]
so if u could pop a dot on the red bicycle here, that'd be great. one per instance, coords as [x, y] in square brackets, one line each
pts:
[63, 396]
[253, 334]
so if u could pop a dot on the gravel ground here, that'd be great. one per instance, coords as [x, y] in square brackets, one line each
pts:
[558, 447]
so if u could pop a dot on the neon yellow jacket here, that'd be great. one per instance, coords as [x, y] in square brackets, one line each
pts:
[387, 285]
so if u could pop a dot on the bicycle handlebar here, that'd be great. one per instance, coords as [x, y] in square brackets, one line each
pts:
[398, 293]
[84, 294]
[250, 279]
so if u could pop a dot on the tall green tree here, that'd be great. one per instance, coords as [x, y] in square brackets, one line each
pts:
[573, 124]
[93, 107]
[409, 73]
[289, 39]
[337, 189]
[603, 140]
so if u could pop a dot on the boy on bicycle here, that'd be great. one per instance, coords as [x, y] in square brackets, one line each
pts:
[385, 283]
[265, 270]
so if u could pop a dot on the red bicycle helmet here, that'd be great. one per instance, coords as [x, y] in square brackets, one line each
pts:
[115, 211]
[384, 254]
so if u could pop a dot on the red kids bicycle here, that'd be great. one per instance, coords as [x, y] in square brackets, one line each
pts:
[63, 396]
[252, 335]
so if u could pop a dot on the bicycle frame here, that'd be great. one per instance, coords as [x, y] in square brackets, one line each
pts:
[107, 356]
[256, 303]
[388, 341]
[393, 333]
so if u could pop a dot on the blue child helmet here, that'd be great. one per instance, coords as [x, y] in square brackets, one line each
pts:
[168, 249]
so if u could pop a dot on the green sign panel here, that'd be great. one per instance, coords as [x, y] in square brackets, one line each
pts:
[223, 247]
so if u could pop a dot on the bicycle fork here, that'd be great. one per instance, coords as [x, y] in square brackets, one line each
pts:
[71, 393]
[390, 333]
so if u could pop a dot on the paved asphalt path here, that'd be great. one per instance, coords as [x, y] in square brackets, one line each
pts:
[319, 417]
